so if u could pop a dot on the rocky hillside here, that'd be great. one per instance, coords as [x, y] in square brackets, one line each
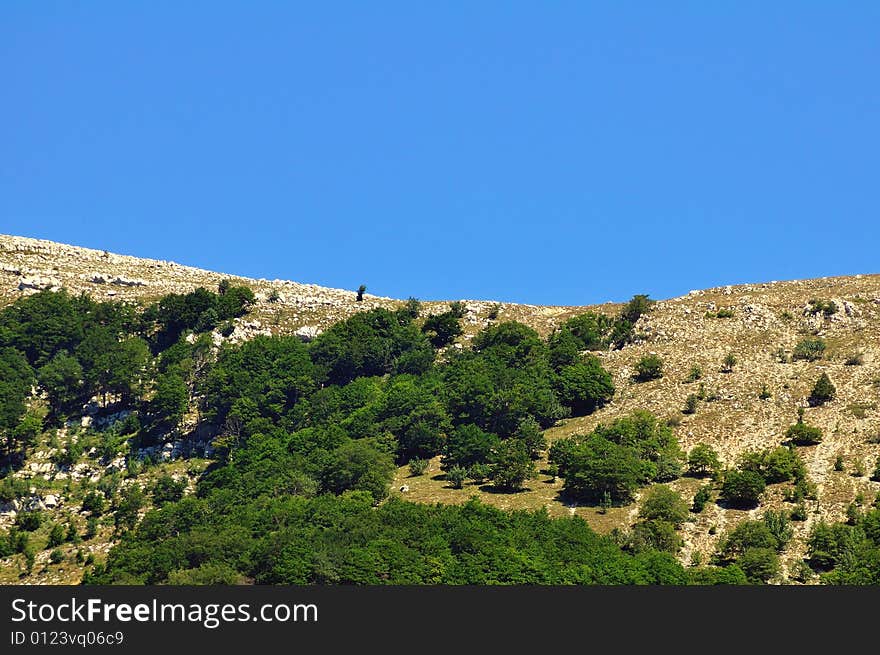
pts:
[28, 265]
[741, 405]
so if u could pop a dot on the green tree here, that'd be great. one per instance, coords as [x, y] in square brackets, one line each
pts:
[62, 379]
[468, 445]
[759, 564]
[529, 433]
[457, 475]
[93, 503]
[170, 401]
[442, 329]
[593, 465]
[360, 292]
[511, 465]
[742, 488]
[358, 466]
[637, 306]
[748, 534]
[56, 536]
[701, 498]
[664, 504]
[653, 535]
[703, 460]
[128, 507]
[779, 524]
[168, 490]
[16, 378]
[823, 391]
[584, 386]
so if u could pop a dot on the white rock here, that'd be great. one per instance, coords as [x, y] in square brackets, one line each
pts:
[307, 332]
[39, 283]
[128, 282]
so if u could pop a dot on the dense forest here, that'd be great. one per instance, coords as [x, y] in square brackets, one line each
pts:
[305, 438]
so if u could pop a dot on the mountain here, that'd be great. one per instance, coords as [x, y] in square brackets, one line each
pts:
[738, 351]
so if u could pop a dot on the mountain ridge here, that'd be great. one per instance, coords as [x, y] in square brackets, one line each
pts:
[758, 324]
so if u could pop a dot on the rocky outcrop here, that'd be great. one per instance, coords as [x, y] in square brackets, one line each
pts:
[39, 283]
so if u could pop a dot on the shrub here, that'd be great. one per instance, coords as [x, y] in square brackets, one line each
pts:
[29, 521]
[701, 498]
[360, 292]
[649, 367]
[457, 475]
[799, 512]
[858, 469]
[838, 463]
[809, 350]
[764, 394]
[56, 536]
[417, 466]
[855, 359]
[479, 472]
[12, 488]
[695, 373]
[825, 307]
[875, 476]
[823, 391]
[493, 312]
[69, 455]
[91, 527]
[724, 312]
[801, 434]
[728, 363]
[781, 356]
[742, 488]
[94, 503]
[860, 410]
[56, 556]
[690, 404]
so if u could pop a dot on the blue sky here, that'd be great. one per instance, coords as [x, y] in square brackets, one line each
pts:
[541, 152]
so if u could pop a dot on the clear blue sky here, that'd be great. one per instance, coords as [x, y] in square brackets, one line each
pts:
[541, 152]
